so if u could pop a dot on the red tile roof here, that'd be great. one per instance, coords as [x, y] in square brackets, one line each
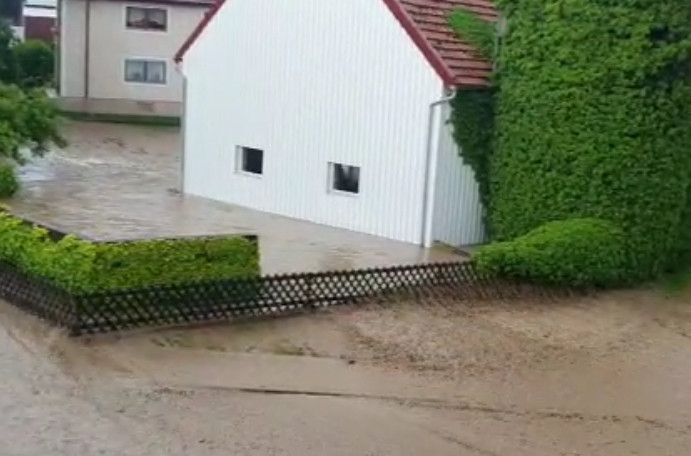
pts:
[458, 64]
[426, 22]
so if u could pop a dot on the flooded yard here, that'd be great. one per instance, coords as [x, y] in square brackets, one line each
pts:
[119, 181]
[605, 375]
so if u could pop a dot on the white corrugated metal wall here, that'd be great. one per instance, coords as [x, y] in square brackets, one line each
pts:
[457, 208]
[311, 83]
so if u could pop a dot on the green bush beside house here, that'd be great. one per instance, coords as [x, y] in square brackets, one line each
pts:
[81, 266]
[570, 253]
[35, 63]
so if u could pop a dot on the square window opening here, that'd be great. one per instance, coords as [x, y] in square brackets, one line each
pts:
[345, 178]
[251, 160]
[145, 71]
[152, 19]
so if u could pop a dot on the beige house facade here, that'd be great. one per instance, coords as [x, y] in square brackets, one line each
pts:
[116, 57]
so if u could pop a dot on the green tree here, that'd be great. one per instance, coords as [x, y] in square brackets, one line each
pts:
[28, 119]
[9, 70]
[28, 124]
[34, 60]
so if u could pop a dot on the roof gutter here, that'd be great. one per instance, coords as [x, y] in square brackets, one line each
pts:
[431, 169]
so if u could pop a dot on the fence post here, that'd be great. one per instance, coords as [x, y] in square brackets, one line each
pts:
[74, 323]
[309, 295]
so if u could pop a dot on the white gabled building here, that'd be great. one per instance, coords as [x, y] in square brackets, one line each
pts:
[334, 112]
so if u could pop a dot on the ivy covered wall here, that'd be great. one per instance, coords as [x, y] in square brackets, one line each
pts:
[593, 120]
[472, 109]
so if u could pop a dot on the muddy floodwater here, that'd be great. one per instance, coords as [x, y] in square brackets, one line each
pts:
[606, 375]
[119, 181]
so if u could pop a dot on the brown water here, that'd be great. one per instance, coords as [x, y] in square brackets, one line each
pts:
[116, 182]
[602, 376]
[62, 398]
[597, 377]
[606, 376]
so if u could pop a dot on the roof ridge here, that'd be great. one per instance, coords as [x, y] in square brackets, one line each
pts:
[451, 57]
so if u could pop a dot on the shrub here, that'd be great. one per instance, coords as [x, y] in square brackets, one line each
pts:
[570, 253]
[594, 121]
[82, 266]
[35, 62]
[8, 180]
[28, 120]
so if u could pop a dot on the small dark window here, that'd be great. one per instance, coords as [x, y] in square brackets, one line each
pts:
[139, 18]
[345, 178]
[251, 160]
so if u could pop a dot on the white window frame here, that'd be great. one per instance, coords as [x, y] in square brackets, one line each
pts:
[144, 83]
[239, 159]
[331, 182]
[140, 6]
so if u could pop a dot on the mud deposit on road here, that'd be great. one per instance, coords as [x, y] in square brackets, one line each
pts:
[583, 376]
[606, 376]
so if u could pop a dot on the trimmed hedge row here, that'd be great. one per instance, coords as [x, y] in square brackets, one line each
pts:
[570, 253]
[82, 266]
[594, 121]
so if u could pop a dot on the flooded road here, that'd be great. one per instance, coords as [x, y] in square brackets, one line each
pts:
[60, 398]
[604, 376]
[119, 181]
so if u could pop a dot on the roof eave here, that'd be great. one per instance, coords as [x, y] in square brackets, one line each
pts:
[423, 45]
[208, 17]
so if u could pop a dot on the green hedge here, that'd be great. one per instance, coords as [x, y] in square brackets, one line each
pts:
[571, 253]
[594, 121]
[82, 266]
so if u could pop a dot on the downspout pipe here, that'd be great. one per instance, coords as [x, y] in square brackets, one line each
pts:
[87, 51]
[183, 128]
[431, 169]
[57, 42]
